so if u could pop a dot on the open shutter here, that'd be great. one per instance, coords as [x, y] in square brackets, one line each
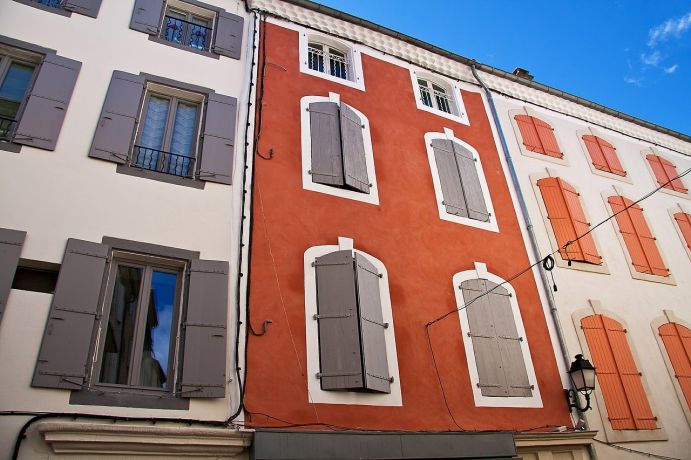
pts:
[671, 172]
[45, 110]
[684, 223]
[647, 240]
[586, 244]
[146, 16]
[531, 140]
[677, 341]
[610, 154]
[450, 178]
[372, 326]
[11, 242]
[205, 344]
[218, 144]
[353, 148]
[228, 41]
[62, 359]
[658, 170]
[483, 334]
[547, 138]
[596, 154]
[115, 131]
[86, 7]
[470, 183]
[340, 355]
[327, 160]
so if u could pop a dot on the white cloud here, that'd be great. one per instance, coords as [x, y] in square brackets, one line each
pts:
[652, 59]
[633, 81]
[671, 69]
[669, 28]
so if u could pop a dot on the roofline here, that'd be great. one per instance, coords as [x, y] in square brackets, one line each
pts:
[310, 5]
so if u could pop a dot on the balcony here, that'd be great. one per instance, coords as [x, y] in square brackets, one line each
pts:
[186, 33]
[163, 162]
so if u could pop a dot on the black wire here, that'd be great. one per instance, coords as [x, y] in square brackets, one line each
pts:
[441, 386]
[634, 451]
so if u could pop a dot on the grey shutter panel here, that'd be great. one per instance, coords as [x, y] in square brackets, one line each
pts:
[116, 126]
[340, 357]
[86, 7]
[204, 359]
[353, 147]
[11, 242]
[470, 182]
[62, 359]
[228, 41]
[450, 178]
[327, 160]
[376, 367]
[47, 104]
[146, 16]
[218, 144]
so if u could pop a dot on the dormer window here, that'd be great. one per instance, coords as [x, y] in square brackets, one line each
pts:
[434, 96]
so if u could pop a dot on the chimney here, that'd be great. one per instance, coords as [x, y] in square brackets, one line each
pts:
[522, 73]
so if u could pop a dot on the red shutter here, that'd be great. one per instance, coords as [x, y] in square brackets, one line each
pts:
[639, 241]
[531, 140]
[610, 154]
[664, 171]
[620, 381]
[671, 171]
[684, 223]
[677, 340]
[549, 141]
[596, 154]
[568, 221]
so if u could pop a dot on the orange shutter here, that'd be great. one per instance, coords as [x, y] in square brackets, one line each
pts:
[639, 241]
[664, 172]
[547, 137]
[677, 340]
[531, 140]
[620, 381]
[568, 221]
[671, 171]
[596, 154]
[684, 222]
[611, 157]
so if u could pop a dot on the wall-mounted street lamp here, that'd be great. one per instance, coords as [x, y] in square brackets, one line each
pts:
[582, 375]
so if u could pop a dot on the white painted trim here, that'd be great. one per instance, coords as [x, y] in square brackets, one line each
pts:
[306, 138]
[592, 132]
[519, 138]
[654, 151]
[315, 393]
[351, 51]
[492, 225]
[453, 90]
[535, 400]
[672, 211]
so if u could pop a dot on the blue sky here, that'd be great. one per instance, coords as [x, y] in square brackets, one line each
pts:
[631, 55]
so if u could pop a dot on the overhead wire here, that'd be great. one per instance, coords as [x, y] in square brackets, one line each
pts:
[634, 451]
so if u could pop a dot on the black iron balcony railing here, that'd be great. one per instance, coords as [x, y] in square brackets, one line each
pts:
[6, 128]
[164, 162]
[186, 33]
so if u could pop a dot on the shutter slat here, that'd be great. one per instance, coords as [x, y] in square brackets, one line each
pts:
[671, 173]
[11, 242]
[146, 16]
[353, 148]
[684, 223]
[586, 242]
[610, 154]
[547, 138]
[218, 144]
[228, 41]
[531, 139]
[86, 7]
[449, 176]
[327, 161]
[673, 337]
[470, 182]
[596, 154]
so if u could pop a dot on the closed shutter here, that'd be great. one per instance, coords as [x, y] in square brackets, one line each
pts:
[115, 131]
[547, 138]
[205, 343]
[372, 327]
[353, 148]
[340, 355]
[666, 173]
[470, 183]
[62, 359]
[671, 171]
[11, 242]
[684, 223]
[645, 256]
[228, 41]
[146, 16]
[450, 178]
[86, 7]
[45, 110]
[531, 140]
[218, 144]
[620, 381]
[677, 341]
[603, 155]
[327, 161]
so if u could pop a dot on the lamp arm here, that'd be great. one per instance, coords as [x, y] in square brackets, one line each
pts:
[572, 395]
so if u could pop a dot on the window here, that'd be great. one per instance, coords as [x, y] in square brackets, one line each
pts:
[145, 346]
[66, 7]
[666, 173]
[327, 59]
[619, 378]
[603, 155]
[11, 242]
[15, 79]
[538, 136]
[677, 341]
[192, 26]
[168, 143]
[433, 95]
[438, 95]
[567, 219]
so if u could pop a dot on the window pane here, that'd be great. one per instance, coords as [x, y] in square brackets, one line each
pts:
[338, 64]
[200, 34]
[184, 130]
[425, 95]
[53, 3]
[157, 333]
[121, 326]
[153, 130]
[13, 88]
[315, 57]
[173, 28]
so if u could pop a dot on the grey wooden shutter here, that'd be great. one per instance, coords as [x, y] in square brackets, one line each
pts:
[44, 114]
[470, 182]
[375, 363]
[204, 359]
[340, 356]
[218, 144]
[228, 41]
[86, 7]
[353, 148]
[327, 160]
[146, 16]
[450, 178]
[11, 242]
[116, 126]
[62, 359]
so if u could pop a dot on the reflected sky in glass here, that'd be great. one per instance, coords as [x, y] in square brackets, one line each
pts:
[159, 326]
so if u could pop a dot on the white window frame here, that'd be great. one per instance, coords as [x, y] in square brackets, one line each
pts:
[534, 401]
[519, 137]
[315, 393]
[306, 134]
[448, 133]
[351, 51]
[453, 91]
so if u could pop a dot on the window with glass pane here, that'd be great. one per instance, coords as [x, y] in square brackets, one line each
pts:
[15, 78]
[139, 336]
[434, 96]
[326, 59]
[187, 29]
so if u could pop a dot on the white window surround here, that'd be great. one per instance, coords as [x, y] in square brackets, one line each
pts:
[352, 52]
[492, 225]
[672, 211]
[593, 169]
[519, 138]
[453, 90]
[315, 394]
[306, 135]
[680, 170]
[535, 400]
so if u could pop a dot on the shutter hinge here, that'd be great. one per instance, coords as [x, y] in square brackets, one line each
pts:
[12, 243]
[389, 379]
[318, 317]
[384, 325]
[85, 253]
[193, 324]
[336, 374]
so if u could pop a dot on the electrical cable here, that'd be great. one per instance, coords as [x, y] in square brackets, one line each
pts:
[634, 451]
